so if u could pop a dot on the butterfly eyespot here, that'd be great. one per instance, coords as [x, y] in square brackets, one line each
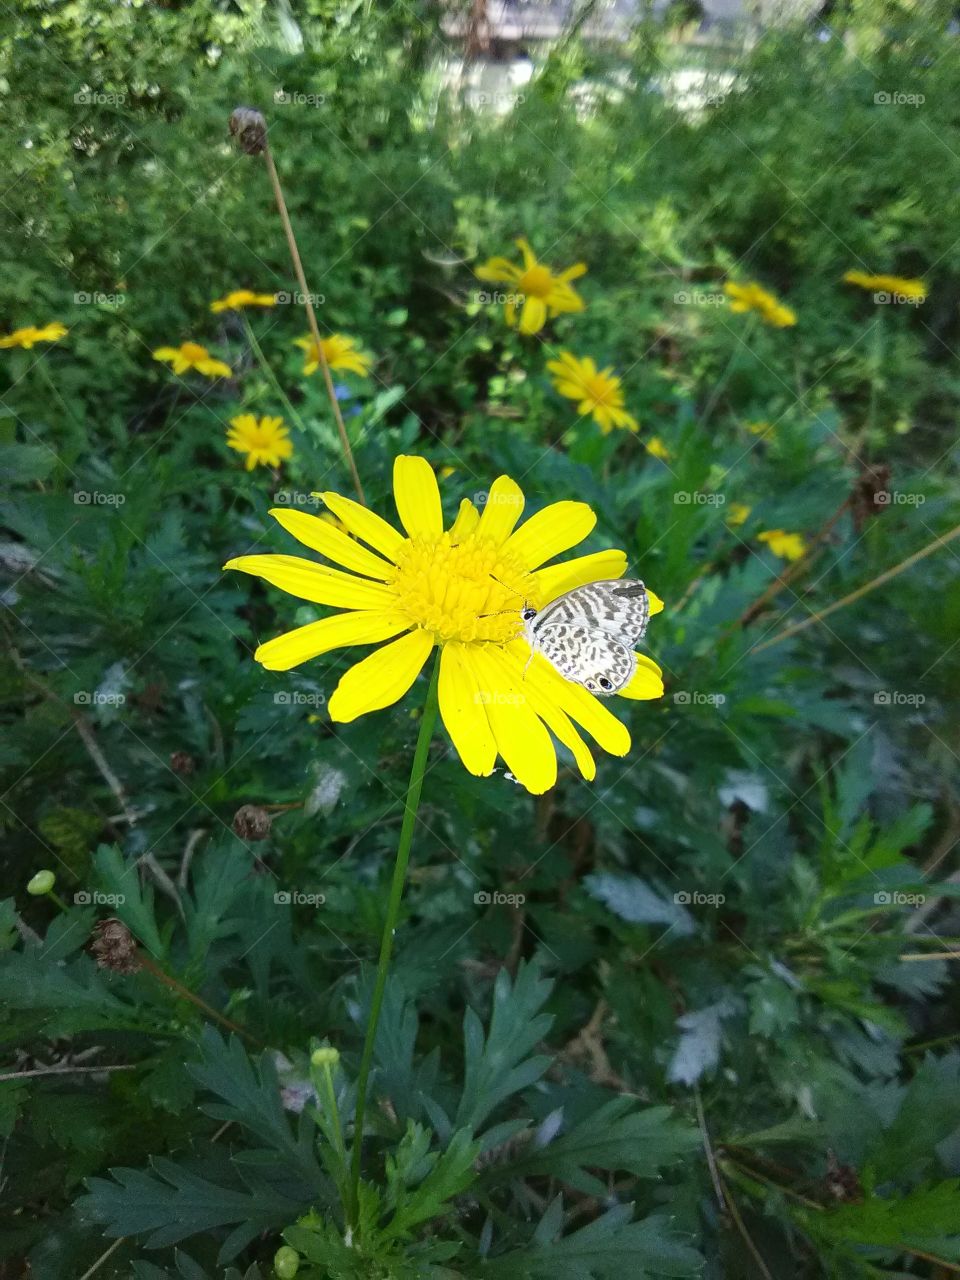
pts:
[605, 683]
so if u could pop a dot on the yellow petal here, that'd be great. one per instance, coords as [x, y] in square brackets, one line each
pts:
[647, 681]
[522, 738]
[320, 535]
[468, 517]
[559, 724]
[464, 712]
[498, 271]
[551, 531]
[588, 711]
[656, 604]
[417, 495]
[342, 629]
[364, 524]
[316, 582]
[533, 316]
[382, 679]
[502, 510]
[561, 578]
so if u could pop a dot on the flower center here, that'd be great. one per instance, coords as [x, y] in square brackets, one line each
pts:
[469, 591]
[193, 351]
[602, 391]
[537, 282]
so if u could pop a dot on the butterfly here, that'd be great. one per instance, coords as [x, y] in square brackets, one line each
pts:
[588, 634]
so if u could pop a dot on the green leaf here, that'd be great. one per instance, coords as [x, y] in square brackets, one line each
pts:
[438, 1178]
[135, 907]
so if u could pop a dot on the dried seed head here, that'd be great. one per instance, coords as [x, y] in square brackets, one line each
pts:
[249, 127]
[250, 822]
[182, 762]
[114, 947]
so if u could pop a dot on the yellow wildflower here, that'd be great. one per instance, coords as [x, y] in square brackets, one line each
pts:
[462, 589]
[597, 393]
[657, 449]
[190, 355]
[738, 514]
[241, 298]
[788, 546]
[915, 290]
[753, 297]
[540, 293]
[26, 338]
[759, 428]
[341, 353]
[266, 443]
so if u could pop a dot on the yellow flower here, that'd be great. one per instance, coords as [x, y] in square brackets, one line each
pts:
[341, 353]
[266, 443]
[738, 514]
[753, 297]
[914, 289]
[447, 472]
[598, 393]
[788, 546]
[759, 428]
[330, 519]
[31, 334]
[657, 449]
[190, 355]
[241, 298]
[540, 294]
[463, 590]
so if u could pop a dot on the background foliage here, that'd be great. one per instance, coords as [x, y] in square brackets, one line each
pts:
[718, 1036]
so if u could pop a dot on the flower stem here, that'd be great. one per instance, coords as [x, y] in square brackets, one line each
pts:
[411, 804]
[735, 354]
[311, 317]
[270, 376]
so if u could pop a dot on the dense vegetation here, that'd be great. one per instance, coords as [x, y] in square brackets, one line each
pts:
[696, 1017]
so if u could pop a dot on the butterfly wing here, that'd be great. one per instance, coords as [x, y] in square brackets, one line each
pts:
[619, 607]
[587, 656]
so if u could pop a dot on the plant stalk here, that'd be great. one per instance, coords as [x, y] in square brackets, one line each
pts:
[410, 807]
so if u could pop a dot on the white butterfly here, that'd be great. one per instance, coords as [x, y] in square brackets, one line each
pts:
[589, 634]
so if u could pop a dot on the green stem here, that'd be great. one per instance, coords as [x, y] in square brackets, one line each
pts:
[270, 376]
[735, 355]
[411, 804]
[81, 434]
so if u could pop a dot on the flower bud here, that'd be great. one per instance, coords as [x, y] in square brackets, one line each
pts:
[249, 128]
[250, 822]
[41, 883]
[286, 1262]
[325, 1056]
[114, 947]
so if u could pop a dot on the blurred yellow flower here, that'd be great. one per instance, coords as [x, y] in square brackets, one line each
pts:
[539, 293]
[341, 353]
[241, 298]
[462, 589]
[737, 514]
[31, 334]
[447, 472]
[753, 297]
[916, 290]
[759, 428]
[657, 449]
[598, 393]
[190, 355]
[266, 443]
[788, 546]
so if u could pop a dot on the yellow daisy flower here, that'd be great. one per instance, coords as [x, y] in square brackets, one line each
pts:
[266, 443]
[190, 355]
[914, 289]
[657, 449]
[737, 514]
[540, 293]
[241, 298]
[27, 337]
[341, 353]
[759, 428]
[753, 297]
[598, 393]
[788, 546]
[462, 589]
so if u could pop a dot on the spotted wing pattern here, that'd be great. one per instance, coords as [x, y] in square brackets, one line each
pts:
[619, 607]
[587, 656]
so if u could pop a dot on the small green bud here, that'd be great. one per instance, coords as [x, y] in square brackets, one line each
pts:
[286, 1262]
[325, 1056]
[41, 883]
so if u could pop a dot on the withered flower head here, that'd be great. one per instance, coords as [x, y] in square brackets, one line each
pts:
[250, 822]
[114, 947]
[249, 127]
